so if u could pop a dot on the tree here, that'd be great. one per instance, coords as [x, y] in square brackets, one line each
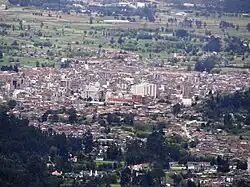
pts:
[55, 118]
[20, 24]
[120, 41]
[135, 152]
[228, 121]
[129, 119]
[241, 183]
[181, 33]
[176, 108]
[189, 68]
[41, 24]
[88, 142]
[223, 164]
[37, 64]
[191, 183]
[206, 64]
[11, 104]
[25, 150]
[89, 99]
[125, 177]
[157, 176]
[237, 27]
[15, 68]
[1, 54]
[72, 115]
[114, 152]
[91, 20]
[177, 179]
[112, 41]
[247, 120]
[248, 27]
[157, 149]
[58, 162]
[148, 13]
[213, 45]
[242, 165]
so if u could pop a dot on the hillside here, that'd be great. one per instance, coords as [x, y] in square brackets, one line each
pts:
[25, 150]
[22, 151]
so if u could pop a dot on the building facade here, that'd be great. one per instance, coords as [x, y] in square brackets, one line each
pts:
[144, 90]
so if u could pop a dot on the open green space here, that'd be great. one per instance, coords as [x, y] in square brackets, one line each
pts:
[65, 34]
[115, 185]
[101, 162]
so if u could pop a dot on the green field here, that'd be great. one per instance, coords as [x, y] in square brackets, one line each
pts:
[67, 34]
[101, 162]
[115, 185]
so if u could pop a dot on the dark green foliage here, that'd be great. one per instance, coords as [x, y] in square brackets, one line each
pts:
[25, 151]
[241, 183]
[120, 41]
[112, 41]
[248, 27]
[213, 45]
[153, 178]
[191, 183]
[219, 106]
[135, 152]
[129, 119]
[157, 150]
[72, 115]
[242, 165]
[114, 152]
[236, 45]
[88, 141]
[147, 12]
[125, 177]
[11, 104]
[177, 108]
[206, 64]
[91, 20]
[181, 33]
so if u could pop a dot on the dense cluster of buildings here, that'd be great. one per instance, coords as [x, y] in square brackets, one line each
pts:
[120, 78]
[121, 82]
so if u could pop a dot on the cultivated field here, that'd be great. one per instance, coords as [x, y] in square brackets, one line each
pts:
[44, 40]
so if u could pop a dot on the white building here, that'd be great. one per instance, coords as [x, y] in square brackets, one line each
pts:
[144, 89]
[92, 91]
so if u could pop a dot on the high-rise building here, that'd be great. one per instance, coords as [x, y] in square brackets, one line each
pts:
[144, 89]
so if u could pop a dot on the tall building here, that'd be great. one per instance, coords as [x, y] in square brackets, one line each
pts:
[144, 89]
[187, 88]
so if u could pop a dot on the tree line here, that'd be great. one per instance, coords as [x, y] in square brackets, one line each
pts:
[231, 110]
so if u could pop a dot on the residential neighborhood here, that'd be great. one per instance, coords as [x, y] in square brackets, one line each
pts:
[124, 93]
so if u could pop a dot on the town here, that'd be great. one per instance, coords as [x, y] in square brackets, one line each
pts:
[133, 109]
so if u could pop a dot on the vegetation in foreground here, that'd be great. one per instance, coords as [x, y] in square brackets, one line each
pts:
[29, 156]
